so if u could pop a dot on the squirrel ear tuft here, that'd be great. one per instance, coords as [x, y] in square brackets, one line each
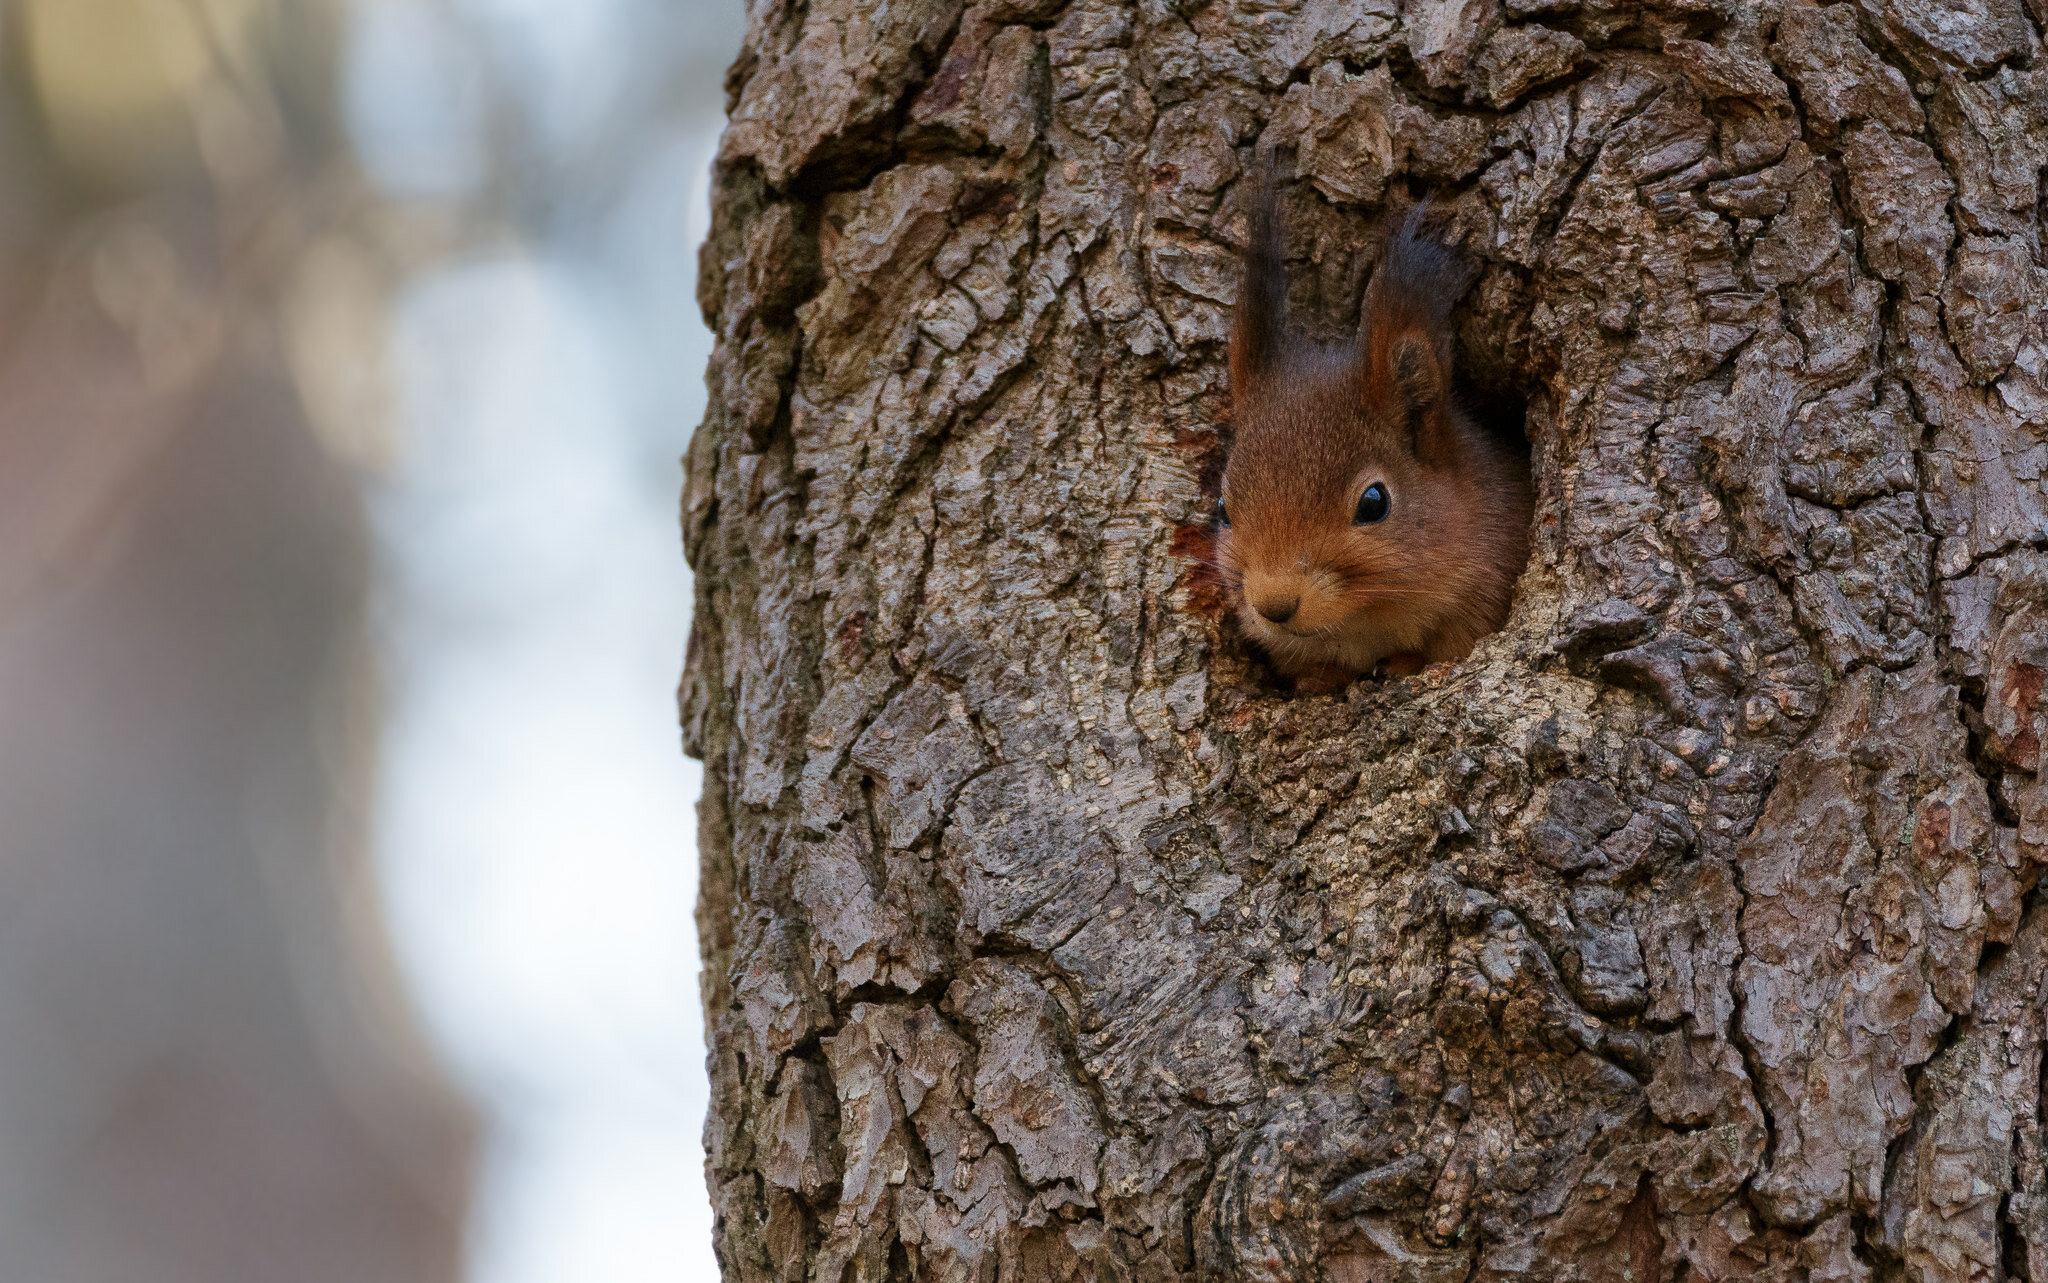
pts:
[1407, 336]
[1258, 325]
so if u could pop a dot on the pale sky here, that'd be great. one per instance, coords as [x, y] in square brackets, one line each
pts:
[535, 827]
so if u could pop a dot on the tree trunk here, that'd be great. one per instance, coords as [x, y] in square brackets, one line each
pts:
[1685, 931]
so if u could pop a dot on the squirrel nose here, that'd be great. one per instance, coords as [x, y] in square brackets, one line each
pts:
[1280, 610]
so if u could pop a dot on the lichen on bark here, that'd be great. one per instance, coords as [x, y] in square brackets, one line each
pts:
[1688, 929]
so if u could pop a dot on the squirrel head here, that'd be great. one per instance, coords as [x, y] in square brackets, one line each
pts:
[1350, 487]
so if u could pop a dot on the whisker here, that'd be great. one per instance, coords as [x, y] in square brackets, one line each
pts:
[1210, 562]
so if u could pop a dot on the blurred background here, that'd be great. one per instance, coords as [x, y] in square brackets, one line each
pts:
[347, 860]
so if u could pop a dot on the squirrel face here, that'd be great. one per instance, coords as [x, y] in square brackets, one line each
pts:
[1363, 516]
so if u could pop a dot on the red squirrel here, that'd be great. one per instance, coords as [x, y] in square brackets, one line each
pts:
[1365, 520]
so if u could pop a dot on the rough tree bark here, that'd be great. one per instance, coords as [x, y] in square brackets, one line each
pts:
[1686, 931]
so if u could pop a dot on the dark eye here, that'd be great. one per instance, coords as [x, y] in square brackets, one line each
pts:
[1372, 506]
[1222, 516]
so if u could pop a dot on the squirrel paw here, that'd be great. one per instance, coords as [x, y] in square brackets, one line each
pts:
[1403, 663]
[1322, 679]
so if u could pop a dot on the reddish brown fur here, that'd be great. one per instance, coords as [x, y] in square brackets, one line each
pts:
[1314, 427]
[1205, 595]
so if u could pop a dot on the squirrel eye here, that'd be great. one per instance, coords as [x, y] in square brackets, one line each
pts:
[1222, 515]
[1372, 506]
